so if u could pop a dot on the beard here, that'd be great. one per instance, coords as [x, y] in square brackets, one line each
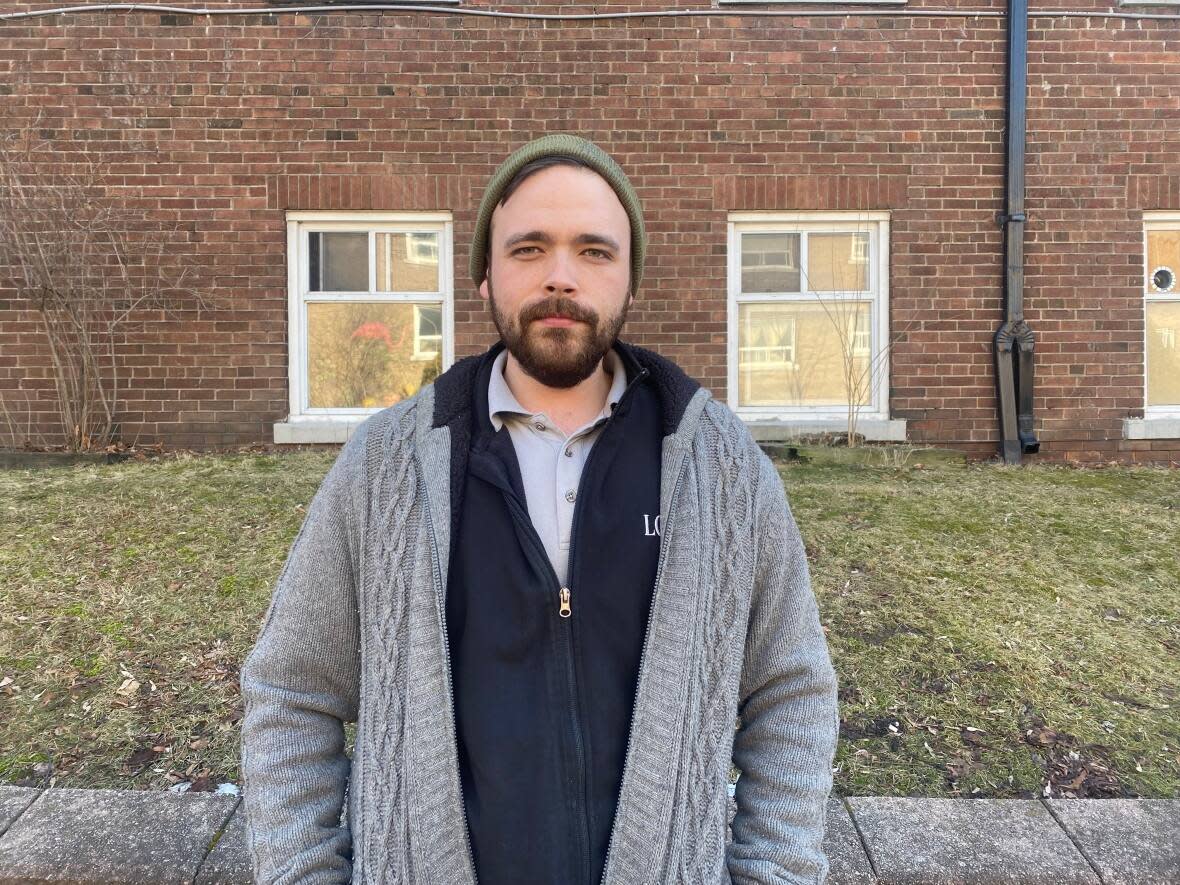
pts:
[557, 356]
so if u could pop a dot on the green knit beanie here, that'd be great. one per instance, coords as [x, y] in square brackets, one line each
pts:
[563, 145]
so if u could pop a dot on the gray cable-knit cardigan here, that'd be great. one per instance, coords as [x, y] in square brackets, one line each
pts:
[355, 631]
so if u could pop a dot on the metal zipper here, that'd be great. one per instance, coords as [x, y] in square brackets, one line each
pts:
[565, 611]
[574, 547]
[442, 623]
[564, 597]
[643, 654]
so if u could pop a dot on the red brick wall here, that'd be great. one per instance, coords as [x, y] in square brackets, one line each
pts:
[223, 122]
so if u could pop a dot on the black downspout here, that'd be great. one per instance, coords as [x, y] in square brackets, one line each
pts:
[1014, 339]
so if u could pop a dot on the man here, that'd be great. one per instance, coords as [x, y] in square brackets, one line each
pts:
[545, 587]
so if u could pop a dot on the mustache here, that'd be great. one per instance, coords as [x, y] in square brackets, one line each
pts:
[556, 306]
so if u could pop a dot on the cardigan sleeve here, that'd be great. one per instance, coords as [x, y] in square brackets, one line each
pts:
[787, 706]
[300, 684]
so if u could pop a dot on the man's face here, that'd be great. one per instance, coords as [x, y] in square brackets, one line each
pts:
[559, 272]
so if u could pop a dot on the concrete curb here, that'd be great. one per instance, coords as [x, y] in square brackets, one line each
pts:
[129, 836]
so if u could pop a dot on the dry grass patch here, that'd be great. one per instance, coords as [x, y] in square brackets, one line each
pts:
[996, 631]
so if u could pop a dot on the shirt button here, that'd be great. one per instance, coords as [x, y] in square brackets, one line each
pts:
[571, 495]
[538, 425]
[569, 453]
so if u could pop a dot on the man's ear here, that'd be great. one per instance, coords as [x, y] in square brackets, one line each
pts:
[483, 288]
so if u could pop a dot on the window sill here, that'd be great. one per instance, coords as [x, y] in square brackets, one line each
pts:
[780, 429]
[1161, 427]
[298, 430]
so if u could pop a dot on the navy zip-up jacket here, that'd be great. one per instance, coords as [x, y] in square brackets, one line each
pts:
[543, 701]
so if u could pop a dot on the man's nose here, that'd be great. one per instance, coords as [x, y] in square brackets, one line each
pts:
[561, 277]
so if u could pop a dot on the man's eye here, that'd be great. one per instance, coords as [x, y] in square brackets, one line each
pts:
[598, 253]
[523, 249]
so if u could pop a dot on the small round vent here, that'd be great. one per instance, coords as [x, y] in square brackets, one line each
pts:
[1163, 279]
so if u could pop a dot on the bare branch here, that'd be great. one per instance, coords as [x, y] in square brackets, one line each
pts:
[90, 260]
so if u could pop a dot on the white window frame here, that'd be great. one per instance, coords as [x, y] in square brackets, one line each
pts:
[303, 423]
[1158, 422]
[872, 419]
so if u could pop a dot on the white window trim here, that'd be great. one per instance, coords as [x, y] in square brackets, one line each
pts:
[873, 420]
[306, 425]
[1158, 422]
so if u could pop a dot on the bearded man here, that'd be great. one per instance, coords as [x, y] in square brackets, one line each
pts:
[545, 587]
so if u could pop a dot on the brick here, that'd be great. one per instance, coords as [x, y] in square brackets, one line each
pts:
[219, 130]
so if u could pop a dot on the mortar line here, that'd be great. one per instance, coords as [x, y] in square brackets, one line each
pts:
[19, 814]
[216, 838]
[864, 843]
[1070, 836]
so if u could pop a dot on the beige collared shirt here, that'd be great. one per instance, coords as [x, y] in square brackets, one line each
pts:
[550, 462]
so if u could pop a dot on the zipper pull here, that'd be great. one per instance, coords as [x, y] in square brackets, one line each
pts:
[565, 611]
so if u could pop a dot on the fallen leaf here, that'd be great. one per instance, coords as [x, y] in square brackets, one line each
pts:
[143, 756]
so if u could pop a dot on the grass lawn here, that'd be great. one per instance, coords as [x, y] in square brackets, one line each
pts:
[997, 631]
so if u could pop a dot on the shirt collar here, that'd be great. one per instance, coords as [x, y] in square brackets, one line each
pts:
[501, 401]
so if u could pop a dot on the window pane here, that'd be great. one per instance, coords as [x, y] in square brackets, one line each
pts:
[1163, 260]
[804, 354]
[338, 262]
[362, 354]
[427, 331]
[770, 262]
[407, 262]
[838, 262]
[1163, 353]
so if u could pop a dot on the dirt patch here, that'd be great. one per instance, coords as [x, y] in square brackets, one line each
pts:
[1073, 770]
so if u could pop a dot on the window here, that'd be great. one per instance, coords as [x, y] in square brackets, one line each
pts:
[808, 315]
[370, 306]
[1162, 314]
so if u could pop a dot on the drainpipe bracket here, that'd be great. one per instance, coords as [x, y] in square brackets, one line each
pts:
[1003, 218]
[1014, 334]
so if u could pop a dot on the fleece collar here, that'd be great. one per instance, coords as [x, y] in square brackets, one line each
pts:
[453, 389]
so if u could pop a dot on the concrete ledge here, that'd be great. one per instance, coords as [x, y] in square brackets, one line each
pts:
[847, 862]
[13, 802]
[873, 429]
[1151, 428]
[113, 836]
[117, 836]
[980, 841]
[338, 430]
[1129, 841]
[327, 430]
[229, 861]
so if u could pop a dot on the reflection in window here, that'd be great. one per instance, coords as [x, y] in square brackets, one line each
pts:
[837, 262]
[363, 354]
[427, 331]
[770, 262]
[792, 354]
[407, 262]
[1163, 316]
[1163, 358]
[338, 262]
